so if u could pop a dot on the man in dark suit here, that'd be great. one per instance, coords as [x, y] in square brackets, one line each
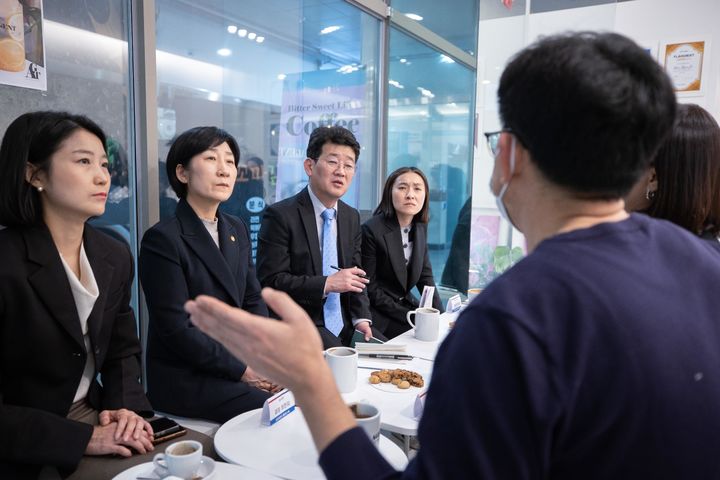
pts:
[316, 259]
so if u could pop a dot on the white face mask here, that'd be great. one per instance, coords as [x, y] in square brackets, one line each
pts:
[503, 189]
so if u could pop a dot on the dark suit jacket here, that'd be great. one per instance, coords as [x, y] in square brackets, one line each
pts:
[391, 281]
[42, 353]
[189, 373]
[289, 257]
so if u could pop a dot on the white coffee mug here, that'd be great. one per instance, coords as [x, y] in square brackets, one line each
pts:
[473, 292]
[343, 363]
[427, 323]
[368, 417]
[181, 459]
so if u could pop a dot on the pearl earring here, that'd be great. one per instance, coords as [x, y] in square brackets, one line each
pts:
[39, 189]
[650, 194]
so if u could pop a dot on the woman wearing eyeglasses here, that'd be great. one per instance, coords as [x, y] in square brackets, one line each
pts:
[683, 183]
[199, 250]
[395, 254]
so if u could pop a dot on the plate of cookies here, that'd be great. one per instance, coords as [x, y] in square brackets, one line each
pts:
[396, 381]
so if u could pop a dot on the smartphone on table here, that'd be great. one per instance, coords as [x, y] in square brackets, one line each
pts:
[166, 429]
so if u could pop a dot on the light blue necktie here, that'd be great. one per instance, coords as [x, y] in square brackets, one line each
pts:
[333, 315]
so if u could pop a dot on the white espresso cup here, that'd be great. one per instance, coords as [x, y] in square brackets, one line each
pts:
[343, 362]
[427, 323]
[368, 417]
[181, 459]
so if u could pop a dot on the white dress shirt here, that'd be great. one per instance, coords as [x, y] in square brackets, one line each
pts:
[85, 292]
[406, 243]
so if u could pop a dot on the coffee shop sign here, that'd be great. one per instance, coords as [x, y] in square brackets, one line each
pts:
[297, 125]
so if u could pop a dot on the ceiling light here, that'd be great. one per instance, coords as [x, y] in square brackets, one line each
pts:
[446, 59]
[231, 29]
[396, 84]
[425, 92]
[224, 52]
[486, 82]
[414, 16]
[242, 32]
[281, 76]
[213, 96]
[252, 35]
[260, 39]
[403, 60]
[330, 29]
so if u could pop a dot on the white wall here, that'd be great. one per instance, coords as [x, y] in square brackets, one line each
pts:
[651, 22]
[648, 22]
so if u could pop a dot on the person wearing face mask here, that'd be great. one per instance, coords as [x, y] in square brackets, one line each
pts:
[70, 392]
[199, 250]
[596, 356]
[395, 253]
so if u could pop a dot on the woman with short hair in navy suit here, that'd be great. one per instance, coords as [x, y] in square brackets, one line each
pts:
[199, 251]
[65, 315]
[395, 253]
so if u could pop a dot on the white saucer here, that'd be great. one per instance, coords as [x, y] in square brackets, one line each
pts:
[390, 388]
[206, 471]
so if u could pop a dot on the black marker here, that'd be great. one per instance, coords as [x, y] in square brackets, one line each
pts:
[386, 356]
[338, 269]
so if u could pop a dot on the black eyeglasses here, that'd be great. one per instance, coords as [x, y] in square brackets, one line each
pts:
[492, 139]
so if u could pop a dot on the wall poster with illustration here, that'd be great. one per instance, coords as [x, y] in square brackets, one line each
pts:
[22, 47]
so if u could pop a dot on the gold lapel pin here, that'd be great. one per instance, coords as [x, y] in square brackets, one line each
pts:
[232, 237]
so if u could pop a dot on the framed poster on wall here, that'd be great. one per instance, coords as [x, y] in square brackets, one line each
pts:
[683, 62]
[22, 47]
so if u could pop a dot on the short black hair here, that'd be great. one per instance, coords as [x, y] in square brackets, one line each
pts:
[687, 167]
[591, 108]
[335, 135]
[33, 138]
[386, 206]
[190, 143]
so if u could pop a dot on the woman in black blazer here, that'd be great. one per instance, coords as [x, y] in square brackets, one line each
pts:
[65, 313]
[395, 253]
[199, 251]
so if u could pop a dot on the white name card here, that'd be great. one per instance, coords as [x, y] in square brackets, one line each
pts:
[454, 304]
[277, 407]
[426, 299]
[419, 404]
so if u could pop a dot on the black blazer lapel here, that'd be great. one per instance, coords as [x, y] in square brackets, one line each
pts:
[50, 281]
[196, 236]
[393, 244]
[307, 217]
[418, 254]
[229, 242]
[103, 272]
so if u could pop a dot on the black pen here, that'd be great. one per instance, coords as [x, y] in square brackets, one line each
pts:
[387, 356]
[338, 269]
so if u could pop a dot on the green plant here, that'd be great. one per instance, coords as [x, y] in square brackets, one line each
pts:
[504, 258]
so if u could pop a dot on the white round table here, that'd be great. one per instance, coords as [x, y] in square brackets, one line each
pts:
[223, 471]
[396, 406]
[285, 449]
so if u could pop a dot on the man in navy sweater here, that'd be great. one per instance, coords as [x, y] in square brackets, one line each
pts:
[595, 357]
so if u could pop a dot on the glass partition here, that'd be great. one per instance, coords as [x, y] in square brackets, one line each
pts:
[87, 68]
[430, 118]
[268, 72]
[454, 20]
